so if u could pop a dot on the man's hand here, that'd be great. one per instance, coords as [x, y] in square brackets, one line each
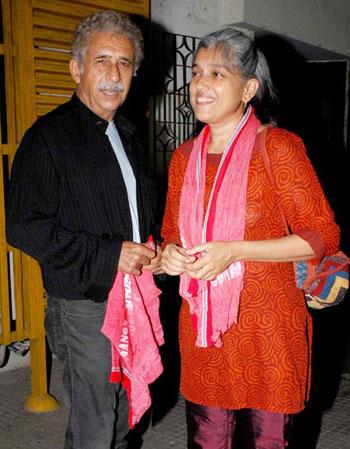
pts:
[133, 257]
[156, 263]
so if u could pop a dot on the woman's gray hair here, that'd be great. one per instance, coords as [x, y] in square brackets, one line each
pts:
[106, 22]
[243, 58]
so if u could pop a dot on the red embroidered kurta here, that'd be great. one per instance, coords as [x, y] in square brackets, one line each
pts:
[265, 359]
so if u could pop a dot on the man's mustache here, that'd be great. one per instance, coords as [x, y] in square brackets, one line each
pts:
[112, 86]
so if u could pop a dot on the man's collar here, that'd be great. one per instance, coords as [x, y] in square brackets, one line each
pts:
[88, 114]
[99, 122]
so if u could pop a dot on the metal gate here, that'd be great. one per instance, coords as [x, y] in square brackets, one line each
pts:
[172, 119]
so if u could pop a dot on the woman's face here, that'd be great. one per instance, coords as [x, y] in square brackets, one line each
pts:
[216, 93]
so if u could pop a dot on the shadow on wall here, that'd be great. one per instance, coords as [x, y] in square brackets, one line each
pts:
[149, 82]
[312, 97]
[150, 79]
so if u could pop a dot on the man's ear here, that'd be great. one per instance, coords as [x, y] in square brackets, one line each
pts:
[75, 71]
[250, 89]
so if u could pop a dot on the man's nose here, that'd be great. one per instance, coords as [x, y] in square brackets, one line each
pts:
[114, 72]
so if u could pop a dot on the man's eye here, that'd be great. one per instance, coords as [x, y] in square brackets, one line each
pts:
[125, 63]
[217, 75]
[195, 74]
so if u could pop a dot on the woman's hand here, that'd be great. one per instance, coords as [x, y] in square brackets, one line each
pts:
[213, 259]
[155, 265]
[175, 260]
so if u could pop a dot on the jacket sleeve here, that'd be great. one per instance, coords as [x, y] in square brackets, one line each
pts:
[84, 260]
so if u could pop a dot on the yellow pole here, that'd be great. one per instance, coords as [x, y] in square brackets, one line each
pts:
[39, 400]
[33, 296]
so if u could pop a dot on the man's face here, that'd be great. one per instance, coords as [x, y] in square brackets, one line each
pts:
[104, 79]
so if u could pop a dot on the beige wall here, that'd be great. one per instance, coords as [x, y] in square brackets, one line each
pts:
[195, 17]
[322, 23]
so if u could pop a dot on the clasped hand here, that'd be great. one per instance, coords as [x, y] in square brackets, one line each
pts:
[135, 257]
[203, 262]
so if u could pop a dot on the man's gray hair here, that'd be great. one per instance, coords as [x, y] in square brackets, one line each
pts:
[106, 22]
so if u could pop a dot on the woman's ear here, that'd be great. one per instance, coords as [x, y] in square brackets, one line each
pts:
[250, 89]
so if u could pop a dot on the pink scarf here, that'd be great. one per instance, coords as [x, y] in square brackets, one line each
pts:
[214, 305]
[133, 326]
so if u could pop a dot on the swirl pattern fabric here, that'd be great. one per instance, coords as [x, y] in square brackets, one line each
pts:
[265, 358]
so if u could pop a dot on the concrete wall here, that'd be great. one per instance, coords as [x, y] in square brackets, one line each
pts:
[195, 17]
[322, 23]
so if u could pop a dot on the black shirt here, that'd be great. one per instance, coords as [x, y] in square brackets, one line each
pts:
[68, 206]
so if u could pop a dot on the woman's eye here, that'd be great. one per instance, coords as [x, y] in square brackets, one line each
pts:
[217, 74]
[195, 74]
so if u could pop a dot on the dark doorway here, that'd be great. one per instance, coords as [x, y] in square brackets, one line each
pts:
[314, 103]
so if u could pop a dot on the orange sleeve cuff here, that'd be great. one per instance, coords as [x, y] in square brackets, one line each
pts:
[314, 240]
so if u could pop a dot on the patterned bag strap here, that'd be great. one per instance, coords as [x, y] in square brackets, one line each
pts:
[267, 163]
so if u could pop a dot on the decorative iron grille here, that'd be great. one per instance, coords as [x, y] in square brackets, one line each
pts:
[172, 118]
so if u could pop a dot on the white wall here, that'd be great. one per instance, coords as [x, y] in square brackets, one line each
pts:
[322, 23]
[195, 17]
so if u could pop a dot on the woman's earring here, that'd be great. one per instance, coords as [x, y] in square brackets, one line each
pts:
[245, 105]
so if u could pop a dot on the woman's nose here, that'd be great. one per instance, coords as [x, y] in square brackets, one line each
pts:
[200, 82]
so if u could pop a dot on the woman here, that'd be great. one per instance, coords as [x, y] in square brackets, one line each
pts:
[245, 333]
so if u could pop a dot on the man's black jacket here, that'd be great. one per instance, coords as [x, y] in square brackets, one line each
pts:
[68, 205]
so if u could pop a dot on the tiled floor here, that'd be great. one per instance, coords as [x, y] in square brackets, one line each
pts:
[23, 430]
[335, 432]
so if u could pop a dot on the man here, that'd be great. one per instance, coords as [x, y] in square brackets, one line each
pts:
[81, 201]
